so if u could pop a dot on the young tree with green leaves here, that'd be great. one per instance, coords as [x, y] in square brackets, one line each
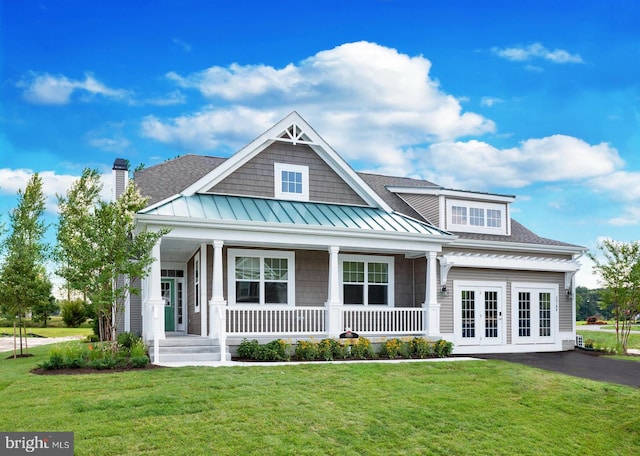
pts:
[23, 279]
[97, 244]
[618, 264]
[41, 311]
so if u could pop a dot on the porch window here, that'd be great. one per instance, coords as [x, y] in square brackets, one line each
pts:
[261, 277]
[367, 280]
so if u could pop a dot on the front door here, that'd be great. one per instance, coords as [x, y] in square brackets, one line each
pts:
[168, 294]
[479, 315]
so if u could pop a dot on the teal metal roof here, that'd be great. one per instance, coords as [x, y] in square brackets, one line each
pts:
[238, 208]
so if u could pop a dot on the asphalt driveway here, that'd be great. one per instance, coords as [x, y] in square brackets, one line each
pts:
[579, 364]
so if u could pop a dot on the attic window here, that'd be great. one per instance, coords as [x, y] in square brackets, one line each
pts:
[476, 217]
[291, 182]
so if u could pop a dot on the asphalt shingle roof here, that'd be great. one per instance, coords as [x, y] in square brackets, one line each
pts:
[171, 177]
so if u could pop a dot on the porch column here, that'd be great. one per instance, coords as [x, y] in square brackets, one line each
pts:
[218, 305]
[333, 304]
[203, 290]
[431, 305]
[155, 303]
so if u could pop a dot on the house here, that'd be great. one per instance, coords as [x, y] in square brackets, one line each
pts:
[285, 240]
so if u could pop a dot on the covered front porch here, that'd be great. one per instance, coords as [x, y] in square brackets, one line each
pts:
[364, 269]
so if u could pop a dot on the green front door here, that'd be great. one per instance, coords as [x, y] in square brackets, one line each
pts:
[168, 294]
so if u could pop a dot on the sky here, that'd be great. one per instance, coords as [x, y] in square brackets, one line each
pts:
[539, 99]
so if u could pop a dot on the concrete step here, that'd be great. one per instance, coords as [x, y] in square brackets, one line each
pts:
[186, 341]
[186, 357]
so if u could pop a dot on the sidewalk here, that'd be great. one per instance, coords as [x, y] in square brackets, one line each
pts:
[6, 343]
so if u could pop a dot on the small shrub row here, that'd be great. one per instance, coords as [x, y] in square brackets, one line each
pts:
[276, 350]
[337, 349]
[128, 351]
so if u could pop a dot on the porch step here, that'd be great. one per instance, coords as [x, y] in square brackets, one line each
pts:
[188, 349]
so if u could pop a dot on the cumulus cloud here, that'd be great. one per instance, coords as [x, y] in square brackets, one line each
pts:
[53, 184]
[537, 51]
[621, 186]
[478, 165]
[369, 101]
[58, 90]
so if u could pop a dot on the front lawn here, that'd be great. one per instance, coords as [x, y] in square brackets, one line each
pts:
[608, 339]
[464, 407]
[50, 332]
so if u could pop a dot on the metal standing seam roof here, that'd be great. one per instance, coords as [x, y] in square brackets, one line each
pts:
[239, 208]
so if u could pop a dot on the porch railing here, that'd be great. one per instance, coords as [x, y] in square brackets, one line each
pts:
[275, 320]
[247, 320]
[396, 320]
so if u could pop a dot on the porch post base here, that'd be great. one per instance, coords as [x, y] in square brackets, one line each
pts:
[334, 319]
[218, 325]
[432, 323]
[157, 309]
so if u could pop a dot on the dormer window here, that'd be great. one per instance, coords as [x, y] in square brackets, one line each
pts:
[476, 217]
[291, 182]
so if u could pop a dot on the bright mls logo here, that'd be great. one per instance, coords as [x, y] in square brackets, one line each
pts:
[36, 443]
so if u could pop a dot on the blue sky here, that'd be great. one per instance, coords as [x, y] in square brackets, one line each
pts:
[535, 99]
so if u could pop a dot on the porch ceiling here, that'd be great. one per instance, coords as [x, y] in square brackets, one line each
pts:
[245, 209]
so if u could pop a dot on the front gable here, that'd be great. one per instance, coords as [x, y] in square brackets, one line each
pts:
[290, 141]
[258, 176]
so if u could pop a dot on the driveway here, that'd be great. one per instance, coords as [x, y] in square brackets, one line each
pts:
[579, 364]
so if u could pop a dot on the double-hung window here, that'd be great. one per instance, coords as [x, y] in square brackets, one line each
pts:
[367, 280]
[261, 277]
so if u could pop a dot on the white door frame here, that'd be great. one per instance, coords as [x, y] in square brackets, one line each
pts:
[535, 317]
[480, 318]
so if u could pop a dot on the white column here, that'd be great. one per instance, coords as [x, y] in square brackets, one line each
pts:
[333, 304]
[204, 320]
[431, 305]
[155, 302]
[218, 305]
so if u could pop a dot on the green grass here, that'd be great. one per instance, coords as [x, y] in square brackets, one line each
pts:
[608, 339]
[467, 407]
[52, 332]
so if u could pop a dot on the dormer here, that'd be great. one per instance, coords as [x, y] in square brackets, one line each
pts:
[460, 211]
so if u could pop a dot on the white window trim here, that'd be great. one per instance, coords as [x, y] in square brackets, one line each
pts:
[277, 179]
[468, 228]
[197, 283]
[555, 312]
[479, 286]
[232, 254]
[390, 261]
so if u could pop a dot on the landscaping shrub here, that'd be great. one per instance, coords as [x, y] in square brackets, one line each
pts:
[443, 348]
[276, 350]
[73, 313]
[104, 355]
[325, 350]
[248, 349]
[391, 348]
[423, 348]
[127, 339]
[361, 348]
[306, 350]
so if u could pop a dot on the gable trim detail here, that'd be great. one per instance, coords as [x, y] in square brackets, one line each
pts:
[292, 129]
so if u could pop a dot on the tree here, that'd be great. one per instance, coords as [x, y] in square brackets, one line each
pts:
[588, 303]
[23, 280]
[97, 246]
[41, 311]
[619, 270]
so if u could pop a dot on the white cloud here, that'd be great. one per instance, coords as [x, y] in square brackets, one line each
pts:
[490, 101]
[173, 98]
[57, 90]
[478, 165]
[182, 44]
[537, 50]
[360, 94]
[210, 127]
[53, 184]
[621, 186]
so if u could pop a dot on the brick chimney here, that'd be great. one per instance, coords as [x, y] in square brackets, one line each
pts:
[120, 177]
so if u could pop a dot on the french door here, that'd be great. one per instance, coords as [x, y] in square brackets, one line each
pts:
[535, 313]
[479, 313]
